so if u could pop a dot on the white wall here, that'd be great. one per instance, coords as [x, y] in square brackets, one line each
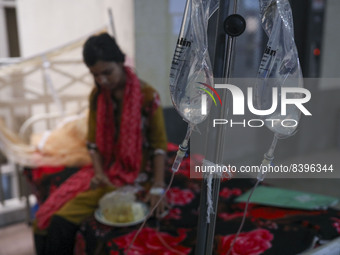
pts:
[47, 24]
[331, 46]
[4, 52]
[124, 23]
[154, 47]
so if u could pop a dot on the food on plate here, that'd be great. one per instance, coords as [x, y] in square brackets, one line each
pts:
[124, 212]
[121, 207]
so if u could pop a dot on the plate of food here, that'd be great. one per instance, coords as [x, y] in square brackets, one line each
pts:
[120, 209]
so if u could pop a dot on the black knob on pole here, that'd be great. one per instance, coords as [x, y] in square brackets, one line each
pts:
[234, 25]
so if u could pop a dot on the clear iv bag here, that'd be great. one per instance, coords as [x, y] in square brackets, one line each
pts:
[191, 67]
[280, 66]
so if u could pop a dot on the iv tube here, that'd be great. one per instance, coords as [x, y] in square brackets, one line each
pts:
[267, 160]
[243, 217]
[175, 166]
[182, 149]
[150, 213]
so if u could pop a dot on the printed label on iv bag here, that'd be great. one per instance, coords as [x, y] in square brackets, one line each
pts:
[178, 61]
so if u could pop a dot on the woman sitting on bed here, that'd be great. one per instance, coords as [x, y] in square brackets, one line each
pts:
[125, 130]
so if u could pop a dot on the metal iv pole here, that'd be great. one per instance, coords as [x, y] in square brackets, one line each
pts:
[228, 28]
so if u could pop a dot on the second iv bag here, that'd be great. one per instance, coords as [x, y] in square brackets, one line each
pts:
[280, 67]
[191, 67]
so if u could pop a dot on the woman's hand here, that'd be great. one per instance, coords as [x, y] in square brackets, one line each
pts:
[153, 197]
[157, 188]
[100, 180]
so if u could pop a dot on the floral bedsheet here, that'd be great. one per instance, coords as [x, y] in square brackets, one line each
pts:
[267, 230]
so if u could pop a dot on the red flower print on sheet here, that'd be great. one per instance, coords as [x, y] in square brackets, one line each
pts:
[172, 147]
[248, 243]
[230, 216]
[153, 242]
[177, 196]
[336, 224]
[79, 248]
[184, 168]
[227, 193]
[277, 213]
[174, 213]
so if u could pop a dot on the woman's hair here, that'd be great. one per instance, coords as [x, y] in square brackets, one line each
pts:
[102, 47]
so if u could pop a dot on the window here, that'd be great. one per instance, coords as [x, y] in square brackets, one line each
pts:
[9, 39]
[12, 31]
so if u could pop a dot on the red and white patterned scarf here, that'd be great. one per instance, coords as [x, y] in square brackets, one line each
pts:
[127, 148]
